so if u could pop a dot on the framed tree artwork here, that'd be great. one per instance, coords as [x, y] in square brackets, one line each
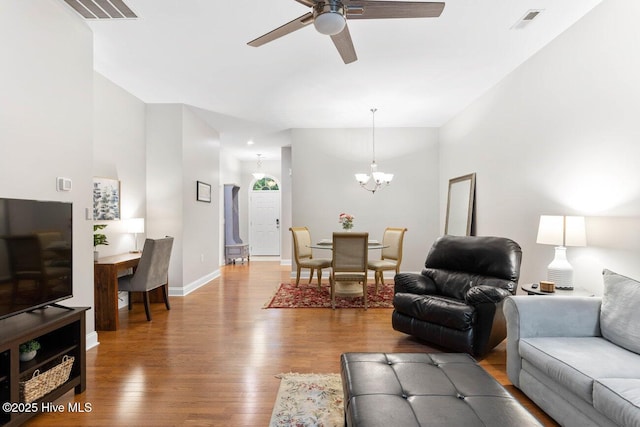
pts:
[106, 199]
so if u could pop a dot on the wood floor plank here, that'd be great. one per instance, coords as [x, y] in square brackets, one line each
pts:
[212, 360]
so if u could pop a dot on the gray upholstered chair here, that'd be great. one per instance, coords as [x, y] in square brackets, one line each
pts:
[349, 263]
[303, 255]
[151, 273]
[391, 256]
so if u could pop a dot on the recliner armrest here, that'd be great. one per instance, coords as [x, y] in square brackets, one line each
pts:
[485, 294]
[413, 283]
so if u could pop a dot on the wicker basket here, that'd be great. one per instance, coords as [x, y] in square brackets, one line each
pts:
[42, 383]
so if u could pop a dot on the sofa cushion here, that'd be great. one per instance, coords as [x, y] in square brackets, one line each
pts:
[619, 316]
[436, 309]
[575, 362]
[618, 399]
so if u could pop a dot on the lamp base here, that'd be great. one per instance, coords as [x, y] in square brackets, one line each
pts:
[560, 271]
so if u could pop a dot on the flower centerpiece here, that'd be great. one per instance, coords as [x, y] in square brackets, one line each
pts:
[346, 220]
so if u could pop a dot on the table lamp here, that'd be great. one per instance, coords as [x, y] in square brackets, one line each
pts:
[561, 231]
[136, 225]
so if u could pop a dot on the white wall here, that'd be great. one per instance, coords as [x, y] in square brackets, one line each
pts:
[46, 87]
[560, 136]
[120, 153]
[183, 149]
[286, 249]
[324, 162]
[201, 233]
[165, 196]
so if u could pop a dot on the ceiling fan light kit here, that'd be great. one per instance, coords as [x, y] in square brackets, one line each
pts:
[330, 17]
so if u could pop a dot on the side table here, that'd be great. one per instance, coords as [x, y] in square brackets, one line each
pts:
[575, 292]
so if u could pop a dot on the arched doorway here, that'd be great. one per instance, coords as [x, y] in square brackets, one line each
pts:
[264, 216]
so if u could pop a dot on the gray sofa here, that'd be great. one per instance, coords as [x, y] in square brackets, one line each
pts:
[578, 358]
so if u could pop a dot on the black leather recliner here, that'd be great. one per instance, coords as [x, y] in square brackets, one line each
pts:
[456, 302]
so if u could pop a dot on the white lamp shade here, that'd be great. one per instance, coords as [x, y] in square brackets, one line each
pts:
[136, 225]
[362, 178]
[378, 176]
[550, 230]
[561, 230]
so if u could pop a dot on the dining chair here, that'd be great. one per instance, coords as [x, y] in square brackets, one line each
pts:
[349, 262]
[303, 255]
[152, 272]
[391, 256]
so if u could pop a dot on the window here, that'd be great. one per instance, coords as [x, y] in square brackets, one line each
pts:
[265, 184]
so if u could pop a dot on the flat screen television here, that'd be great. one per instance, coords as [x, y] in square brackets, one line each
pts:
[35, 254]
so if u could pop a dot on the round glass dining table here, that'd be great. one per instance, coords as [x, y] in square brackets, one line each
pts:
[346, 289]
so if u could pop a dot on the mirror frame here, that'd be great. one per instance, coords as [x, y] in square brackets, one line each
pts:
[469, 201]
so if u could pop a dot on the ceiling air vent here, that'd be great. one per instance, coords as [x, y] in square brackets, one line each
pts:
[527, 19]
[102, 9]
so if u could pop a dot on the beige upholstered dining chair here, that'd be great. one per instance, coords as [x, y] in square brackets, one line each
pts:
[391, 254]
[152, 272]
[349, 263]
[303, 255]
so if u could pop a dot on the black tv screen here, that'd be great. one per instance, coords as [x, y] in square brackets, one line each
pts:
[35, 254]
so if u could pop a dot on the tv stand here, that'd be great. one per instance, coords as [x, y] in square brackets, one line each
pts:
[64, 307]
[61, 332]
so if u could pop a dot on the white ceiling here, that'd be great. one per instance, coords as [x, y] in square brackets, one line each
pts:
[416, 72]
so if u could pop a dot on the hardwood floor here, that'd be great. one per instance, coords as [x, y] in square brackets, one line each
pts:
[212, 359]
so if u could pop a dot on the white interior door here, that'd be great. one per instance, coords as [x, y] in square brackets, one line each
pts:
[265, 223]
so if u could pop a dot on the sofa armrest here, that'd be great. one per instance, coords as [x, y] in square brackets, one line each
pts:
[547, 316]
[485, 294]
[413, 283]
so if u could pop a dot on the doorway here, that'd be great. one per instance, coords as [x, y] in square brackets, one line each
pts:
[264, 217]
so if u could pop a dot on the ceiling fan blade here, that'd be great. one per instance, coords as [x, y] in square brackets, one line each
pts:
[283, 30]
[344, 44]
[372, 9]
[309, 3]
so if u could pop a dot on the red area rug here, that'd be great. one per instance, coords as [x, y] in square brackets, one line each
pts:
[309, 296]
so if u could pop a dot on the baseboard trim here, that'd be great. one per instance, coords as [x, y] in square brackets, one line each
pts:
[196, 284]
[92, 340]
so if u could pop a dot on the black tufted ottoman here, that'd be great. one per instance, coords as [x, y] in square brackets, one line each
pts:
[418, 389]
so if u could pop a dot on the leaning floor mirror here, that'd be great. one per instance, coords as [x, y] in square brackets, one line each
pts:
[460, 206]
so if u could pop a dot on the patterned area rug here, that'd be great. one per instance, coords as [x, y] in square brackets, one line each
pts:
[309, 296]
[308, 400]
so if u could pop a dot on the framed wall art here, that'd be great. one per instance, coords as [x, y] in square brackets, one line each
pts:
[203, 192]
[106, 199]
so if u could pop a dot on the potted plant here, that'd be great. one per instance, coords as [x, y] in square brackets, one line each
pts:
[28, 350]
[98, 239]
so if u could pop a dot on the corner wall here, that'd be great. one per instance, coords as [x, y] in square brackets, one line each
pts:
[183, 149]
[560, 135]
[46, 82]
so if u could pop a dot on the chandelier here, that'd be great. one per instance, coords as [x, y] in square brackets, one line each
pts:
[379, 178]
[258, 174]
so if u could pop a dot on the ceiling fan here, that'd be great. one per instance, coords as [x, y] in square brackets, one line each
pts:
[330, 18]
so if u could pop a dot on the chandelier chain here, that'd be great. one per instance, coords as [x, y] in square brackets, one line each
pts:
[373, 133]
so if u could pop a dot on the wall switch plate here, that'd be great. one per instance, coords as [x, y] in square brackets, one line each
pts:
[63, 184]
